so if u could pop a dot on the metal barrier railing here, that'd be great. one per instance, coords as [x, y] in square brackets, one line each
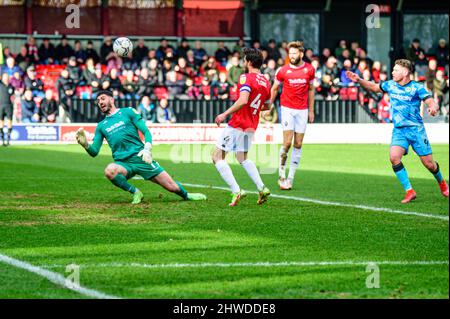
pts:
[204, 111]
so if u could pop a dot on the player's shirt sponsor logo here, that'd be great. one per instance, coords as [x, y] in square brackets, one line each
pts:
[115, 126]
[297, 81]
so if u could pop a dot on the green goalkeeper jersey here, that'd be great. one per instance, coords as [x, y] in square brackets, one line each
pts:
[121, 132]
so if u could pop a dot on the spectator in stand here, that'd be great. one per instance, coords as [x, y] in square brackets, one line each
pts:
[221, 89]
[256, 45]
[64, 51]
[384, 109]
[33, 83]
[328, 87]
[11, 67]
[89, 71]
[222, 53]
[309, 54]
[344, 56]
[344, 80]
[190, 61]
[75, 72]
[66, 90]
[91, 53]
[240, 44]
[265, 58]
[205, 89]
[174, 86]
[183, 48]
[362, 66]
[341, 47]
[412, 53]
[430, 74]
[283, 51]
[200, 54]
[147, 110]
[6, 54]
[129, 86]
[170, 55]
[101, 81]
[164, 113]
[161, 51]
[124, 63]
[355, 50]
[29, 108]
[48, 110]
[376, 70]
[440, 90]
[183, 71]
[166, 68]
[209, 68]
[145, 83]
[154, 73]
[192, 91]
[47, 52]
[383, 76]
[442, 53]
[421, 67]
[32, 50]
[140, 52]
[17, 83]
[79, 54]
[235, 71]
[330, 68]
[22, 59]
[363, 56]
[150, 56]
[107, 51]
[326, 53]
[114, 83]
[272, 50]
[270, 70]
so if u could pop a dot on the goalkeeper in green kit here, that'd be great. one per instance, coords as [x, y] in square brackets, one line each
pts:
[131, 157]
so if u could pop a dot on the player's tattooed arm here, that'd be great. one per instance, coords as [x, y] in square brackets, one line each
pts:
[241, 101]
[368, 85]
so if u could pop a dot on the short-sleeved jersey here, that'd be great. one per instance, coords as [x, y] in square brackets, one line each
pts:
[405, 102]
[296, 81]
[121, 133]
[247, 118]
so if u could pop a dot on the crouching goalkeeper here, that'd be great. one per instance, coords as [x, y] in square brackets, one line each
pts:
[131, 157]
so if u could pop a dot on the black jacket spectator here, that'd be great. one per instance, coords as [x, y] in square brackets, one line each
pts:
[64, 51]
[183, 49]
[442, 53]
[47, 52]
[222, 54]
[414, 50]
[106, 50]
[91, 53]
[140, 52]
[66, 89]
[48, 110]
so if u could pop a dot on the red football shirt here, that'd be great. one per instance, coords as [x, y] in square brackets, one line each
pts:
[296, 81]
[247, 118]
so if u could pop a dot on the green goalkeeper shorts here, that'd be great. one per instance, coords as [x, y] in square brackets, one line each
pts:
[136, 166]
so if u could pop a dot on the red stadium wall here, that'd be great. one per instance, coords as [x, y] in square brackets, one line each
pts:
[213, 18]
[12, 19]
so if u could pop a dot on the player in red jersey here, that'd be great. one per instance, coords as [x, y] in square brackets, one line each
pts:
[297, 108]
[254, 96]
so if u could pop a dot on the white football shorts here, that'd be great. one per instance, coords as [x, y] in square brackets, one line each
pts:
[293, 119]
[235, 140]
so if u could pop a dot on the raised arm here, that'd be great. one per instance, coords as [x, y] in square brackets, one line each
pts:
[94, 148]
[368, 85]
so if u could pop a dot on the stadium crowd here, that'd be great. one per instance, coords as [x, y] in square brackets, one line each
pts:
[43, 79]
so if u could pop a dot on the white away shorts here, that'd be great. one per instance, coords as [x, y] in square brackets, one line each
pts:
[234, 140]
[293, 119]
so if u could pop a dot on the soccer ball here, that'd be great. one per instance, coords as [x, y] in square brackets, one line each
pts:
[122, 46]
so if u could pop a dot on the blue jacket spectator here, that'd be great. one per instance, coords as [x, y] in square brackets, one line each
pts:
[29, 108]
[147, 110]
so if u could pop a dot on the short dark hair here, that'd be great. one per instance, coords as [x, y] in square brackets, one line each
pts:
[296, 45]
[106, 92]
[254, 56]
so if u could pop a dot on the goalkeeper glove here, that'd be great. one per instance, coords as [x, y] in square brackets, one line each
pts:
[81, 138]
[146, 153]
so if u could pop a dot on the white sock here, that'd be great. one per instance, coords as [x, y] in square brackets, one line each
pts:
[295, 161]
[227, 175]
[282, 168]
[252, 171]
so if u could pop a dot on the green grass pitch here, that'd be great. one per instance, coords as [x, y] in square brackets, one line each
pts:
[56, 209]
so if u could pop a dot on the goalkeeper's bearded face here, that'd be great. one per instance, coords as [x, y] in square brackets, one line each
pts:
[105, 103]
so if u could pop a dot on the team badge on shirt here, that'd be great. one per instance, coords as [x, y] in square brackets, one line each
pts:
[243, 79]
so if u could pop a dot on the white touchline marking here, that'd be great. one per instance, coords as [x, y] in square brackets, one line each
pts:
[53, 277]
[262, 264]
[321, 202]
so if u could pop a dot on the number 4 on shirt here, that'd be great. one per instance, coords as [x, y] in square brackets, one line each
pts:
[256, 103]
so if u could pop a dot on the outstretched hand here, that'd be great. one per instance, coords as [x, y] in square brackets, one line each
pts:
[352, 76]
[81, 137]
